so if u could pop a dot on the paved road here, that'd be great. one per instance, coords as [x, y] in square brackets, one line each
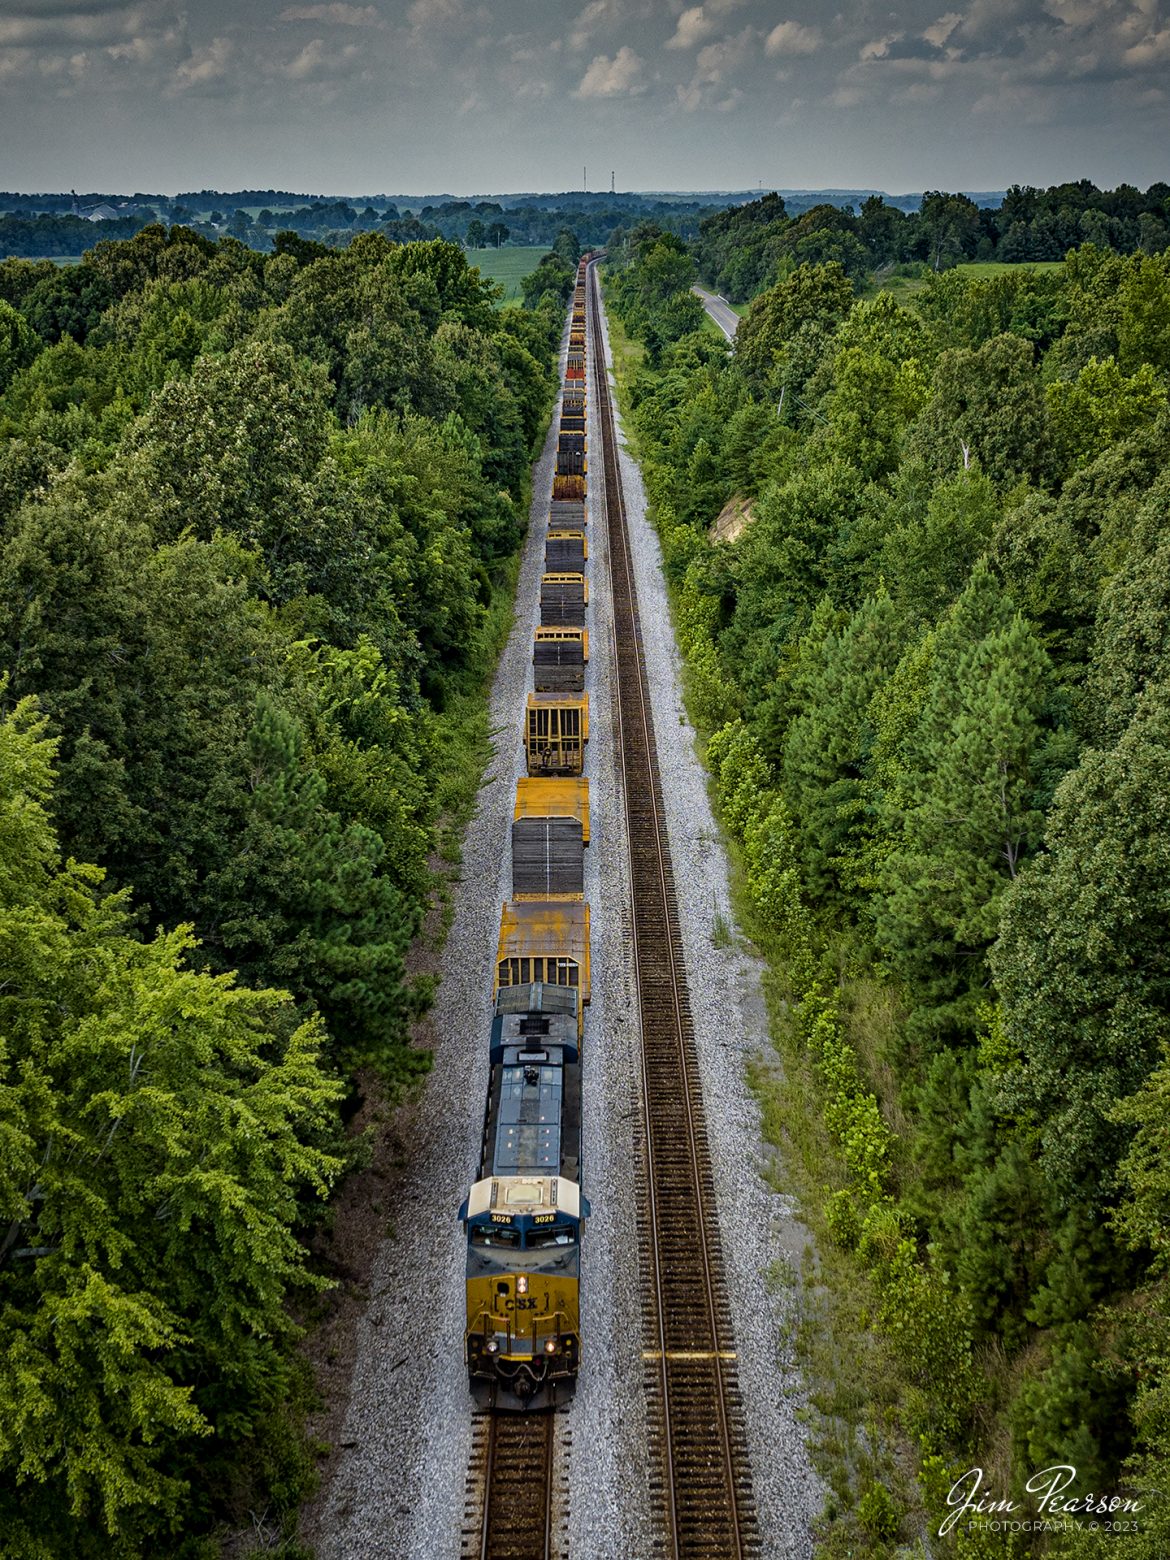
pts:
[720, 311]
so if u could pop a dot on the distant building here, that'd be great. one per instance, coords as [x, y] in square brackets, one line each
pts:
[105, 212]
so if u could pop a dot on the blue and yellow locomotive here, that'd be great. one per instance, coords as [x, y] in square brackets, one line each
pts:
[523, 1216]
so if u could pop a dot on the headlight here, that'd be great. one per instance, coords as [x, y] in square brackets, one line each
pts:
[493, 1346]
[551, 1346]
[522, 1285]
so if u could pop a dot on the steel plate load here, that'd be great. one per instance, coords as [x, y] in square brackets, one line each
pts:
[566, 550]
[564, 595]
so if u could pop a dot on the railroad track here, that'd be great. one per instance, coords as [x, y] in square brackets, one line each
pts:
[511, 1511]
[700, 1491]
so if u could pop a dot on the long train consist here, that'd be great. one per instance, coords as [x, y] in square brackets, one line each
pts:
[524, 1214]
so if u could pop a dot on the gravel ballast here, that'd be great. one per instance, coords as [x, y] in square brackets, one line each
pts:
[762, 1236]
[396, 1480]
[396, 1488]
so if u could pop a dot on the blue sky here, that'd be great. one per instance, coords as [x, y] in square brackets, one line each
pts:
[472, 95]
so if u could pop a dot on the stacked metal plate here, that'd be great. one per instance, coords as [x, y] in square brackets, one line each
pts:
[558, 665]
[562, 601]
[565, 551]
[548, 858]
[566, 514]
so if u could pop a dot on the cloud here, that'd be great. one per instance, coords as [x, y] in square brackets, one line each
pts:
[1154, 49]
[54, 26]
[792, 38]
[448, 14]
[693, 27]
[317, 61]
[714, 66]
[339, 15]
[205, 65]
[879, 48]
[918, 92]
[619, 77]
[938, 32]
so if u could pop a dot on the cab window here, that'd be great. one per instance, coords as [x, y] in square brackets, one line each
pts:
[494, 1235]
[551, 1235]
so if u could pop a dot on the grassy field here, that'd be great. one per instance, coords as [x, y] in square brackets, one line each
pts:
[904, 287]
[508, 266]
[56, 259]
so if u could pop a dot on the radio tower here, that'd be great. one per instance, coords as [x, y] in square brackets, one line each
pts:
[611, 190]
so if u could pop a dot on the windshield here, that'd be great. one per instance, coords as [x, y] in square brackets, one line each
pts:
[551, 1235]
[494, 1235]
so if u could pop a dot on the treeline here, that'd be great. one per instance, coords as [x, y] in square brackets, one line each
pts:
[935, 674]
[29, 230]
[30, 237]
[745, 248]
[556, 274]
[254, 514]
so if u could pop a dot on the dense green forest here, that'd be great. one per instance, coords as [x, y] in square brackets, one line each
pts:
[934, 677]
[738, 249]
[257, 517]
[32, 227]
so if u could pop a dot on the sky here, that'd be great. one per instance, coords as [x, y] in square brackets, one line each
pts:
[465, 96]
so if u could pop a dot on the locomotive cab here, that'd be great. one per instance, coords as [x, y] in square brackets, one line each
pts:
[523, 1340]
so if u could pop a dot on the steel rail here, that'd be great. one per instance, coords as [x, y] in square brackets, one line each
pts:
[516, 1522]
[689, 1441]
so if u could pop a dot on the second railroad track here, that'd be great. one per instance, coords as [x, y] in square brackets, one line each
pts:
[701, 1494]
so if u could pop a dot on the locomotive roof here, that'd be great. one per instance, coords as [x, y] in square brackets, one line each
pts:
[528, 1125]
[517, 1196]
[537, 997]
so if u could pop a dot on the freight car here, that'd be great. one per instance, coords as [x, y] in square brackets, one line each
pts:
[564, 595]
[571, 454]
[550, 828]
[544, 940]
[558, 659]
[567, 514]
[566, 550]
[556, 729]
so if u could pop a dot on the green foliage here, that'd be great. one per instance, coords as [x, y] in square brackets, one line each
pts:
[934, 667]
[813, 297]
[18, 343]
[1081, 961]
[255, 523]
[987, 406]
[970, 814]
[165, 1134]
[1101, 407]
[878, 1515]
[554, 275]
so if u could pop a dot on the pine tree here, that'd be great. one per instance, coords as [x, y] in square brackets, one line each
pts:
[1082, 962]
[828, 743]
[305, 901]
[971, 811]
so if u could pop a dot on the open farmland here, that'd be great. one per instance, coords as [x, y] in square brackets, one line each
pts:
[508, 266]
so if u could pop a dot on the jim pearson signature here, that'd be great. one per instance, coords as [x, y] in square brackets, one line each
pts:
[967, 1497]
